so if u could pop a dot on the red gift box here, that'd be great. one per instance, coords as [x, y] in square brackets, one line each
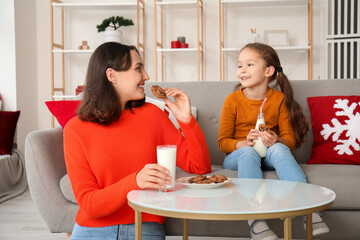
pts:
[175, 44]
[79, 89]
[184, 45]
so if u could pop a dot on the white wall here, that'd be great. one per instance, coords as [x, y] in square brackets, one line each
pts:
[33, 50]
[26, 69]
[7, 56]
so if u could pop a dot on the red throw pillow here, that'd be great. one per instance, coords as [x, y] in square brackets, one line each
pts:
[63, 110]
[335, 124]
[8, 121]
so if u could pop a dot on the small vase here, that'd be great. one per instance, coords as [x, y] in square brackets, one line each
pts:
[112, 36]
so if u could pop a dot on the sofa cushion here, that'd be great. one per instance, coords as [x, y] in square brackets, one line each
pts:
[335, 124]
[66, 189]
[63, 110]
[8, 121]
[163, 107]
[342, 179]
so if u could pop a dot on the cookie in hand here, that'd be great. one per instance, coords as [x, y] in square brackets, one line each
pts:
[158, 91]
[263, 128]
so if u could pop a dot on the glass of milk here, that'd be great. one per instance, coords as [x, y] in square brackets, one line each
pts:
[259, 146]
[166, 157]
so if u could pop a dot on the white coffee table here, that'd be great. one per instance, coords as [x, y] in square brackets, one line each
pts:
[240, 199]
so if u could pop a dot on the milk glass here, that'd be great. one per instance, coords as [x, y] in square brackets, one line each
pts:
[166, 157]
[259, 146]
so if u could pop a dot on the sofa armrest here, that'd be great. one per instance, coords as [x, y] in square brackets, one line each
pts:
[45, 166]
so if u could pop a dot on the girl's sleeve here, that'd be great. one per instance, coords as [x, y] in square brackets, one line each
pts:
[285, 130]
[95, 201]
[226, 141]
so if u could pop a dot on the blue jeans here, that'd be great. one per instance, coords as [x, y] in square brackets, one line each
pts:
[150, 231]
[278, 157]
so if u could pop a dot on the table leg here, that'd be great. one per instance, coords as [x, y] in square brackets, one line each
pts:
[185, 229]
[137, 225]
[309, 230]
[287, 228]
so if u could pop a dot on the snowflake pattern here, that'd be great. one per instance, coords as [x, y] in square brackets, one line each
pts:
[351, 127]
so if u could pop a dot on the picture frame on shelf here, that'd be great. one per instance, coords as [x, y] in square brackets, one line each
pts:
[277, 38]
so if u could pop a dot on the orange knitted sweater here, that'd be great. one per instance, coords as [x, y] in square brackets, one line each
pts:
[102, 161]
[239, 116]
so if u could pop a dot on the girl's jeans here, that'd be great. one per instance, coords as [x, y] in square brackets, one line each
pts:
[150, 231]
[278, 157]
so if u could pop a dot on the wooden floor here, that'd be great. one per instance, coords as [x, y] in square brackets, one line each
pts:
[20, 220]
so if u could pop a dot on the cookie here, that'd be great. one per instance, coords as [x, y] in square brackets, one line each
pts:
[205, 181]
[217, 178]
[262, 128]
[158, 91]
[197, 179]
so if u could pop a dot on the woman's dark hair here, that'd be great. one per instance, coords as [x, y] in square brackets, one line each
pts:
[298, 120]
[100, 102]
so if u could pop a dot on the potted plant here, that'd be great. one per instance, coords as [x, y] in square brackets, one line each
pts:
[110, 26]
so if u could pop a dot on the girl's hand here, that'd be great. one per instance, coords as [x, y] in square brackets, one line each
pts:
[181, 108]
[153, 176]
[253, 135]
[269, 138]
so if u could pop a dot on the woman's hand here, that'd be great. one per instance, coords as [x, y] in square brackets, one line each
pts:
[153, 176]
[181, 108]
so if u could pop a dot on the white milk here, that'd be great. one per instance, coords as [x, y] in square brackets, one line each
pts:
[166, 157]
[259, 146]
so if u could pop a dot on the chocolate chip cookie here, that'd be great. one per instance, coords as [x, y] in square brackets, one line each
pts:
[158, 91]
[197, 179]
[217, 178]
[205, 181]
[263, 128]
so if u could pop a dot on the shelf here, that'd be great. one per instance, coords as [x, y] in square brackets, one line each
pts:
[265, 3]
[177, 50]
[73, 51]
[65, 96]
[160, 50]
[60, 23]
[290, 48]
[96, 6]
[78, 51]
[177, 4]
[235, 5]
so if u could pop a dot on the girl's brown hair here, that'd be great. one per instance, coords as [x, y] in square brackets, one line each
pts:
[298, 120]
[100, 102]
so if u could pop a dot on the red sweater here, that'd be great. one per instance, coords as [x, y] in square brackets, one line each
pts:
[102, 161]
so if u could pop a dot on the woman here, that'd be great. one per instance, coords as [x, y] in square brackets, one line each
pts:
[110, 147]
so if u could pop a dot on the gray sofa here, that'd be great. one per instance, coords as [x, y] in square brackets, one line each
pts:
[51, 190]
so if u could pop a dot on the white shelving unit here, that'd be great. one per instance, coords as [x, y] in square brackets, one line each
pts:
[160, 5]
[137, 6]
[270, 4]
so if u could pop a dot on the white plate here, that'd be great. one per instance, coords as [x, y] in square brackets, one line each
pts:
[184, 181]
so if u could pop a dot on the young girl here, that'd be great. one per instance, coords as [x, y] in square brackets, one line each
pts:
[110, 147]
[259, 65]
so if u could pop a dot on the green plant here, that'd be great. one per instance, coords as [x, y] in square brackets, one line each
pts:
[115, 23]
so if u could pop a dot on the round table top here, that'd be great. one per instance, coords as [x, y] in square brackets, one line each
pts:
[240, 196]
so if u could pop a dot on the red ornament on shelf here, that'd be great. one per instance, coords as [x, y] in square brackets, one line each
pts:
[175, 44]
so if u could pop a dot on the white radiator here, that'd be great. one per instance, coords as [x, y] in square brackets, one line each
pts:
[343, 39]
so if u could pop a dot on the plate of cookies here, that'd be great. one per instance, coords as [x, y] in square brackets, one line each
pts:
[203, 181]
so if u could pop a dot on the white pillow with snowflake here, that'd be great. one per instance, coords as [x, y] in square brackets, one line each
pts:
[335, 122]
[163, 106]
